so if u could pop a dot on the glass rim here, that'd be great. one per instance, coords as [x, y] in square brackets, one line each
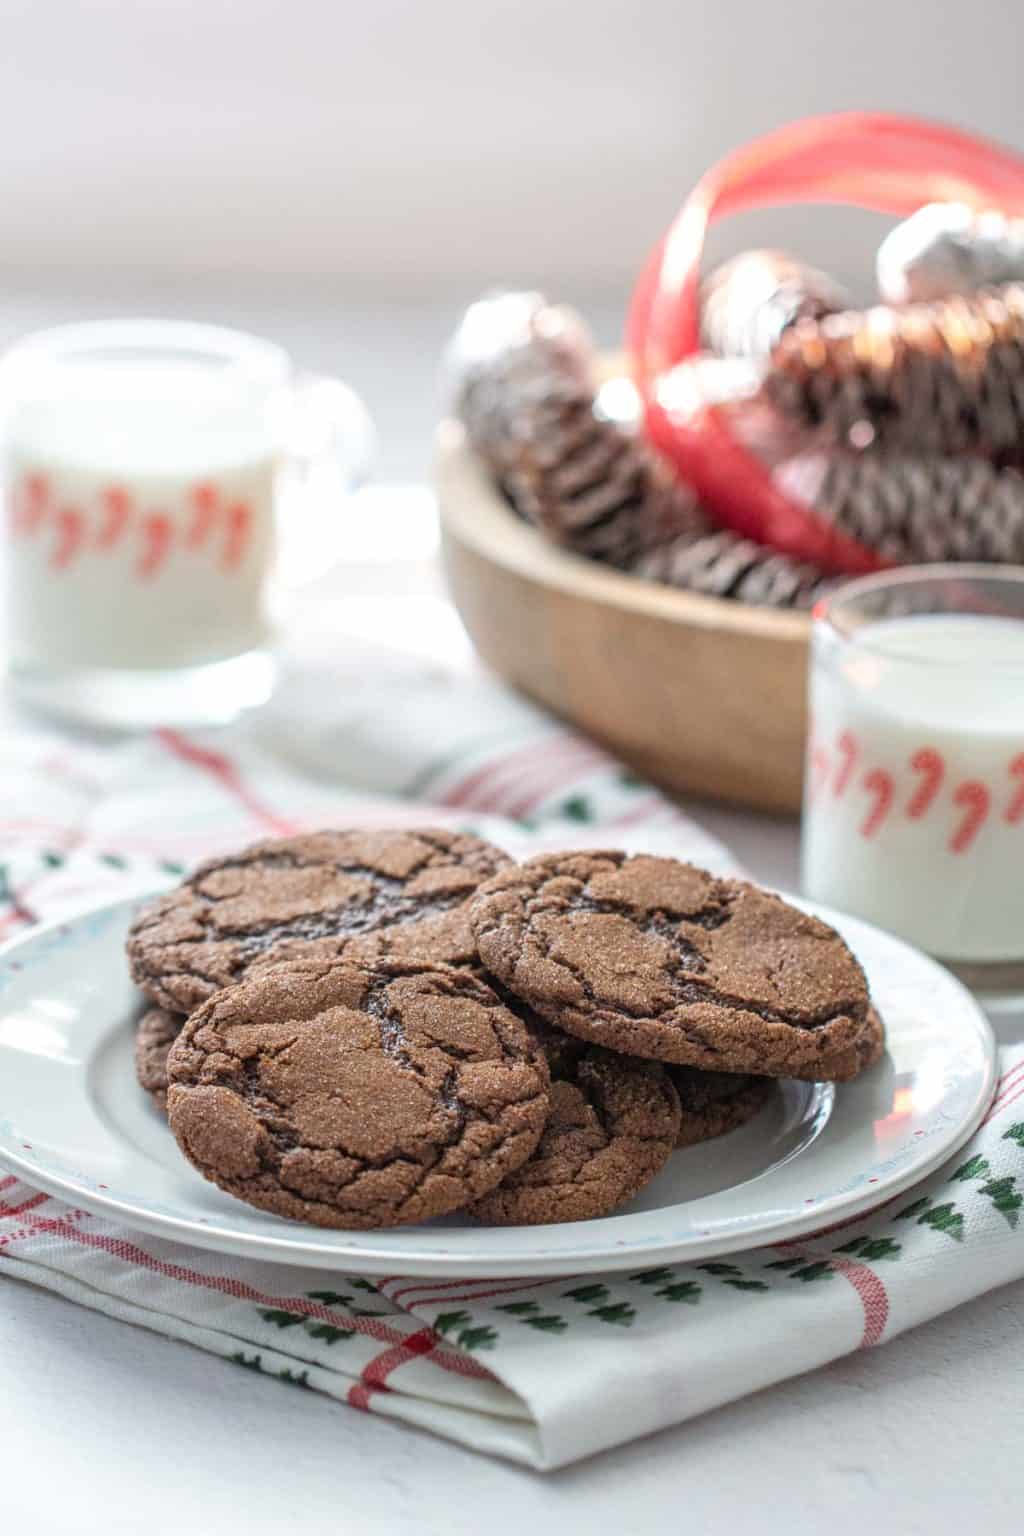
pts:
[58, 345]
[824, 612]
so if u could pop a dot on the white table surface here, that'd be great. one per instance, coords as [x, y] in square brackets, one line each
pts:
[104, 1427]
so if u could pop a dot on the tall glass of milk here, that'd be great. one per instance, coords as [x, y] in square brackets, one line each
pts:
[142, 472]
[914, 788]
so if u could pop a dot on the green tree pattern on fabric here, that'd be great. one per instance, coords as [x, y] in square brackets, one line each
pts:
[619, 1312]
[458, 1326]
[941, 1218]
[255, 1363]
[446, 1322]
[732, 1276]
[681, 1290]
[587, 1293]
[577, 808]
[800, 1269]
[281, 1319]
[530, 1314]
[974, 1168]
[326, 1333]
[871, 1248]
[669, 1288]
[476, 1338]
[652, 1276]
[343, 1299]
[821, 1269]
[1005, 1197]
[294, 1378]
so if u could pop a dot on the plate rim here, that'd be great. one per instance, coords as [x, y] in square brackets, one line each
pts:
[606, 1258]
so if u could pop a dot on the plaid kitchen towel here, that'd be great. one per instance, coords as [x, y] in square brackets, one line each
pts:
[540, 1372]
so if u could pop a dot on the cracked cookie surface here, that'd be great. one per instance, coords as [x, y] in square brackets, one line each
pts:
[155, 1033]
[356, 1098]
[713, 1103]
[612, 1126]
[367, 895]
[660, 959]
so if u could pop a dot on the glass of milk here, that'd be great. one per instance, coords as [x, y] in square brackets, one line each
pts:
[914, 788]
[144, 463]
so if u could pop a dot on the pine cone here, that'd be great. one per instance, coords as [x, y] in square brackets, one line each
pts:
[941, 379]
[913, 510]
[721, 564]
[515, 359]
[530, 409]
[947, 248]
[747, 303]
[598, 490]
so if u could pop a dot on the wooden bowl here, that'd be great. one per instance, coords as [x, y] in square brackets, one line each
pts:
[700, 695]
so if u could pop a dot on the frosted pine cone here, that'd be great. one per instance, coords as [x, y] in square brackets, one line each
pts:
[749, 302]
[916, 510]
[948, 248]
[528, 402]
[943, 378]
[721, 564]
[513, 357]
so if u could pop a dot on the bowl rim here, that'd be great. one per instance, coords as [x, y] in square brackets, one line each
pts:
[473, 511]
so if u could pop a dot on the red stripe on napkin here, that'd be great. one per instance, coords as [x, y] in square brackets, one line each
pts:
[450, 1285]
[1011, 1098]
[498, 785]
[1005, 1090]
[7, 1211]
[374, 1376]
[379, 1369]
[874, 1297]
[555, 771]
[464, 791]
[505, 1289]
[221, 768]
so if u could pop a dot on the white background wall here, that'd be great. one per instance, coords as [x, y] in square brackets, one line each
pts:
[406, 140]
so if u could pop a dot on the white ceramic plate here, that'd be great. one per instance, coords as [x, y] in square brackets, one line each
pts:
[74, 1122]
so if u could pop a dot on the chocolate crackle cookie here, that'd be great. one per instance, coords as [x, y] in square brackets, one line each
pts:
[660, 959]
[155, 1033]
[354, 1097]
[369, 895]
[613, 1123]
[715, 1102]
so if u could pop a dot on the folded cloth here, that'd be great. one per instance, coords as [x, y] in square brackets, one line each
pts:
[540, 1372]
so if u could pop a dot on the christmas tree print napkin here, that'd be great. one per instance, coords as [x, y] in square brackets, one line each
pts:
[542, 1373]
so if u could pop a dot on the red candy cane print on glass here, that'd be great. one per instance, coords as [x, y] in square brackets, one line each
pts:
[917, 698]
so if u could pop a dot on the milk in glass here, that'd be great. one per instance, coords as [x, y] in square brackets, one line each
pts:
[140, 512]
[914, 795]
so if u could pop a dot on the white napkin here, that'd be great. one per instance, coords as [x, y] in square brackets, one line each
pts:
[542, 1373]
